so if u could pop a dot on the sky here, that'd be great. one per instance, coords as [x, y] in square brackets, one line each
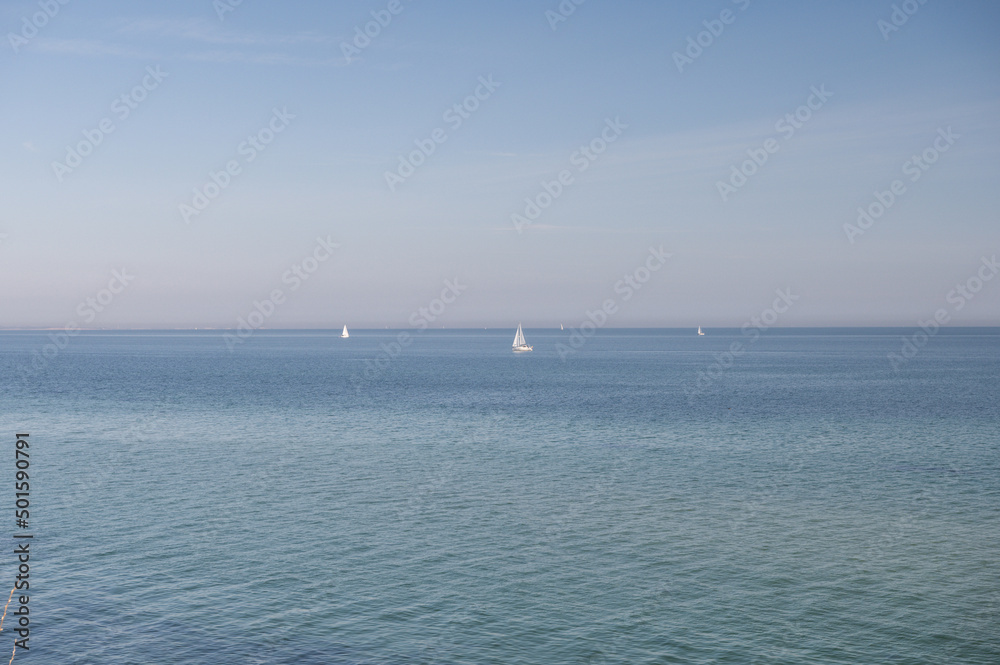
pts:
[472, 164]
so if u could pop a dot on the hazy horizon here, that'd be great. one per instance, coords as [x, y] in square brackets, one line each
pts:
[511, 329]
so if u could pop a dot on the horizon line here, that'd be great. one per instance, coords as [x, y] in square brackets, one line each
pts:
[421, 330]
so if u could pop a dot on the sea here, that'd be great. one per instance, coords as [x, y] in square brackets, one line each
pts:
[429, 497]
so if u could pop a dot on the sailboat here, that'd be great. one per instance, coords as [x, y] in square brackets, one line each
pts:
[560, 326]
[344, 334]
[519, 343]
[699, 331]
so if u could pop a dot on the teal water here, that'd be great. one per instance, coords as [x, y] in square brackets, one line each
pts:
[456, 503]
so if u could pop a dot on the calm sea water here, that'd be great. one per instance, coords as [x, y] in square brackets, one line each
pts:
[457, 503]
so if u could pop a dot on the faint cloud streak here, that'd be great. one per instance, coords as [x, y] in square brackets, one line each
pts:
[167, 34]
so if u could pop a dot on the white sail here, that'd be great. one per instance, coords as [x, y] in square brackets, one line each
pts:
[699, 331]
[519, 343]
[344, 334]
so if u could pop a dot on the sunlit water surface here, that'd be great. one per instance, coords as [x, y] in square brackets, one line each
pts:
[290, 502]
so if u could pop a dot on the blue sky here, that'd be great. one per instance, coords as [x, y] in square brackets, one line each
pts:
[657, 184]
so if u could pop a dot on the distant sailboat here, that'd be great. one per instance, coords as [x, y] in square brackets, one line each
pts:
[519, 343]
[560, 326]
[344, 334]
[699, 331]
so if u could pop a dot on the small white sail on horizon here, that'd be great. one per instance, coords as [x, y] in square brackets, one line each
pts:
[344, 334]
[699, 331]
[519, 343]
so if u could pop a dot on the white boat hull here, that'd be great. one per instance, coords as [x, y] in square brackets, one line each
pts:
[519, 343]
